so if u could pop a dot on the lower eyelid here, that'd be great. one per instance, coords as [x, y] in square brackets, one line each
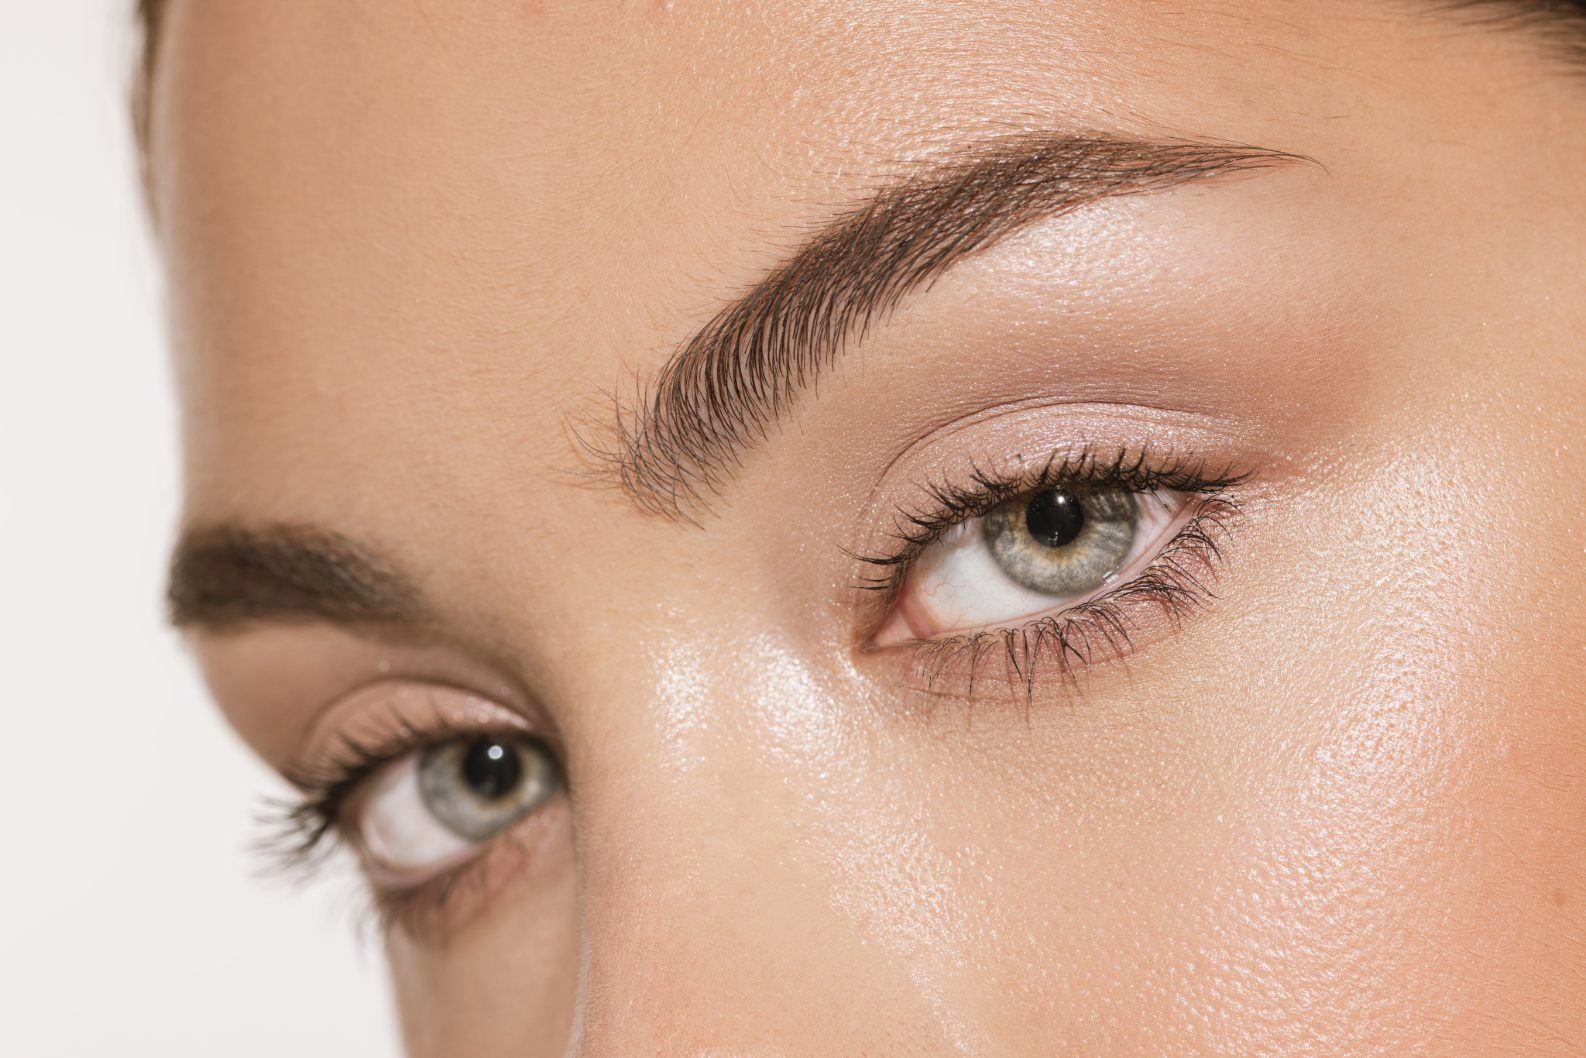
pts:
[536, 848]
[1151, 600]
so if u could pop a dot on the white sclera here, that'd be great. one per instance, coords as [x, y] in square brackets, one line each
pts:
[398, 830]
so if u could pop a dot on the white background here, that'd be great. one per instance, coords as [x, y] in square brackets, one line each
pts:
[131, 922]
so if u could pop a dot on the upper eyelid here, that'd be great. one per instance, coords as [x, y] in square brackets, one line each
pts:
[1136, 470]
[398, 706]
[356, 760]
[1139, 470]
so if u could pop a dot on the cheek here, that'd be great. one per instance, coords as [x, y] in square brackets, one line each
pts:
[1430, 803]
[1362, 829]
[1409, 795]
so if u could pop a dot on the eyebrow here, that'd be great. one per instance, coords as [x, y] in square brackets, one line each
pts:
[225, 578]
[721, 392]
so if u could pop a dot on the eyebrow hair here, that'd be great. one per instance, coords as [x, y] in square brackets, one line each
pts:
[227, 577]
[720, 393]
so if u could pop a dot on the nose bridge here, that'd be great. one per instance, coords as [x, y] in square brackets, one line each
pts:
[703, 921]
[709, 874]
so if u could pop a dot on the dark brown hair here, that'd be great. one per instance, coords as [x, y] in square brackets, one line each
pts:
[149, 14]
[1561, 23]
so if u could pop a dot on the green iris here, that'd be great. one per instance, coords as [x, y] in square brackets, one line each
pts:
[1063, 541]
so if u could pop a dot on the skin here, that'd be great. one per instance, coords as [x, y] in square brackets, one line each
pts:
[1337, 810]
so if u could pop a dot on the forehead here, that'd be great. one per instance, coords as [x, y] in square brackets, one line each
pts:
[559, 132]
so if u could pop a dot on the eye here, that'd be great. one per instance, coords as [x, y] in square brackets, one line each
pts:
[1039, 552]
[434, 808]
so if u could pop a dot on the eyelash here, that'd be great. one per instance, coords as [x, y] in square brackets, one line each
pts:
[302, 834]
[1177, 579]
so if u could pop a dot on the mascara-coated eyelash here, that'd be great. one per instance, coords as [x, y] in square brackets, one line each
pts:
[1053, 496]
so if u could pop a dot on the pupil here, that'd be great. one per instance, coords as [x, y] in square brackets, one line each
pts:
[1055, 518]
[491, 767]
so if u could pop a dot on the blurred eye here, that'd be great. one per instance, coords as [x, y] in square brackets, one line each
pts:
[1037, 553]
[432, 809]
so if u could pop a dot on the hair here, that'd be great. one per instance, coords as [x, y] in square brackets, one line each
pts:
[1560, 23]
[149, 15]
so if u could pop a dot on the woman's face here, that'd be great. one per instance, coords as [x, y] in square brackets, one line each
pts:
[903, 528]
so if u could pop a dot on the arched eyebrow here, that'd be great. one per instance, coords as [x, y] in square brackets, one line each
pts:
[721, 392]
